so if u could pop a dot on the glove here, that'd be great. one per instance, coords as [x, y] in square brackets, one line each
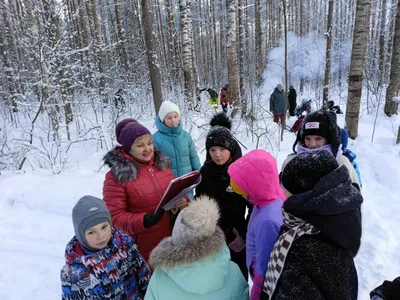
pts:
[238, 243]
[152, 219]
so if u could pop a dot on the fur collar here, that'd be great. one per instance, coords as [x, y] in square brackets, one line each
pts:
[168, 255]
[125, 169]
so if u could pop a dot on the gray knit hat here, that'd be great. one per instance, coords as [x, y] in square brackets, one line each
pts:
[89, 211]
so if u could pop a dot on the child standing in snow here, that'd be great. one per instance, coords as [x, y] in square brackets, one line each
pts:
[174, 142]
[221, 150]
[255, 177]
[194, 263]
[313, 257]
[101, 262]
[319, 131]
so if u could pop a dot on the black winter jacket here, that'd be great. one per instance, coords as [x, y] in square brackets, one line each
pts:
[215, 183]
[321, 266]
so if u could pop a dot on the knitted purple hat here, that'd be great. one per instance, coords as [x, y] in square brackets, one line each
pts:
[121, 125]
[127, 131]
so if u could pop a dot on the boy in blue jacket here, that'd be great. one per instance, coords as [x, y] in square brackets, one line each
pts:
[100, 261]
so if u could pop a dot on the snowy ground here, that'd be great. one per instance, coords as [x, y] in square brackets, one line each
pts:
[35, 215]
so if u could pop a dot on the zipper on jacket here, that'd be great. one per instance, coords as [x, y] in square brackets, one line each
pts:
[155, 181]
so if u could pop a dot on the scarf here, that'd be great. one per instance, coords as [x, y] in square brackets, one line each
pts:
[296, 227]
[301, 149]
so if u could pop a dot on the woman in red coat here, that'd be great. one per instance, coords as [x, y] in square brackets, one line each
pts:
[135, 184]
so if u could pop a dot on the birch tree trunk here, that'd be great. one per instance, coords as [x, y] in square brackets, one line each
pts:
[360, 36]
[328, 35]
[393, 91]
[283, 124]
[187, 52]
[233, 75]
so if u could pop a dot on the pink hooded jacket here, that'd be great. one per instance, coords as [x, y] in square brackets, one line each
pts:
[256, 173]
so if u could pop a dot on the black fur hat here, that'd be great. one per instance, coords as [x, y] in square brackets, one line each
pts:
[321, 123]
[303, 172]
[221, 119]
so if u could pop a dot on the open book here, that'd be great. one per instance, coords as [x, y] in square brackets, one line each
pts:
[179, 188]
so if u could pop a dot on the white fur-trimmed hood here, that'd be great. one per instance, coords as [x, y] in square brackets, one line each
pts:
[195, 236]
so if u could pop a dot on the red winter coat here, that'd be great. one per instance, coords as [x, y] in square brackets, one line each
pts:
[296, 126]
[132, 190]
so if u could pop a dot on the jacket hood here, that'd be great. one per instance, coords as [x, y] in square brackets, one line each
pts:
[276, 90]
[168, 130]
[333, 207]
[256, 173]
[187, 263]
[75, 255]
[125, 168]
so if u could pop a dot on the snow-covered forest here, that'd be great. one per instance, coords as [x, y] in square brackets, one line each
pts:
[71, 69]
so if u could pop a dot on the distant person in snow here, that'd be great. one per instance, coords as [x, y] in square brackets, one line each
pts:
[305, 105]
[119, 100]
[319, 131]
[277, 104]
[388, 290]
[313, 258]
[255, 178]
[334, 108]
[194, 263]
[214, 101]
[224, 98]
[297, 125]
[292, 95]
[222, 150]
[101, 262]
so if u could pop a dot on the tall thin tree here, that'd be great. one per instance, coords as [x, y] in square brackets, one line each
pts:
[360, 36]
[152, 58]
[393, 91]
[328, 36]
[233, 74]
[187, 51]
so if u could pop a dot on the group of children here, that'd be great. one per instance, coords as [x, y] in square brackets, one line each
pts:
[295, 233]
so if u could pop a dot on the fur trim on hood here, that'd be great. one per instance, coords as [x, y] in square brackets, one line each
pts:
[126, 168]
[195, 236]
[168, 254]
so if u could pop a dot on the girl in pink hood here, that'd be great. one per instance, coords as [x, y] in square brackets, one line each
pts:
[255, 177]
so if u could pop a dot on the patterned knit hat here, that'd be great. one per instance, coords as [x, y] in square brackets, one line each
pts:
[303, 172]
[89, 211]
[222, 137]
[127, 131]
[321, 123]
[166, 108]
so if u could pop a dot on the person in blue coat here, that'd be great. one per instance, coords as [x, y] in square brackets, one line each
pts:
[194, 263]
[174, 142]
